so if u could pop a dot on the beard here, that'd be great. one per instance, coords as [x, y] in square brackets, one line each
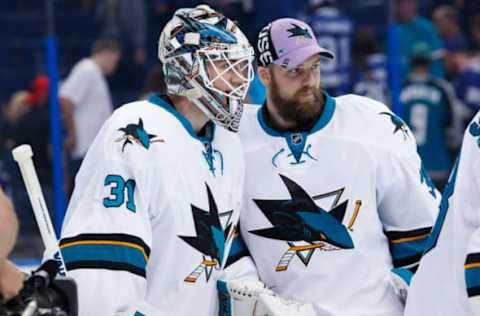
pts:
[294, 110]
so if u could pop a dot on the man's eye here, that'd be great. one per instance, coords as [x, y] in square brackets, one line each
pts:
[293, 72]
[316, 66]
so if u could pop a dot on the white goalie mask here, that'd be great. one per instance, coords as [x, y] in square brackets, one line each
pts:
[207, 59]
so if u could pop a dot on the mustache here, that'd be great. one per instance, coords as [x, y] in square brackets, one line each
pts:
[314, 90]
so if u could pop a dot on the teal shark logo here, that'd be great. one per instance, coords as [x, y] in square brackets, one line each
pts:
[398, 123]
[298, 31]
[300, 219]
[135, 133]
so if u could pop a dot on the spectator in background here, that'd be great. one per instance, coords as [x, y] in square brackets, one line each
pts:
[446, 19]
[475, 30]
[429, 108]
[467, 84]
[11, 279]
[12, 112]
[412, 30]
[370, 69]
[334, 32]
[126, 22]
[264, 12]
[85, 98]
[33, 127]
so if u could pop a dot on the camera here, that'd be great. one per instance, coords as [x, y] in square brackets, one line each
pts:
[44, 294]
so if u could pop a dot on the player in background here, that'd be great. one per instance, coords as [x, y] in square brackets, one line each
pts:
[448, 279]
[336, 209]
[334, 31]
[158, 194]
[430, 110]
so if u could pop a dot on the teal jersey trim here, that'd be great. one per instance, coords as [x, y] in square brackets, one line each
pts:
[104, 252]
[161, 101]
[408, 248]
[296, 140]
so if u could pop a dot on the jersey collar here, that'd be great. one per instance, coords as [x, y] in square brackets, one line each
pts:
[164, 102]
[322, 121]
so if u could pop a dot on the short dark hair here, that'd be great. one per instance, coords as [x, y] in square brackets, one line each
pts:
[103, 44]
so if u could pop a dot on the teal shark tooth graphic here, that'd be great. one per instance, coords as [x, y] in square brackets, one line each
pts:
[211, 237]
[135, 133]
[300, 219]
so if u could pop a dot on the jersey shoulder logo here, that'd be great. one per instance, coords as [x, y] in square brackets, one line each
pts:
[398, 123]
[211, 239]
[474, 130]
[135, 133]
[301, 220]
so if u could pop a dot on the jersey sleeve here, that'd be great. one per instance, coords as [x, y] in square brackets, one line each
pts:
[407, 202]
[107, 235]
[471, 186]
[472, 271]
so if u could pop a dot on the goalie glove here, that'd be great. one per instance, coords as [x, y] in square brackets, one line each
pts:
[401, 278]
[253, 298]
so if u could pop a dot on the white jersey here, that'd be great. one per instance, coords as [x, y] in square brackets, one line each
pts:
[153, 213]
[87, 89]
[449, 272]
[328, 213]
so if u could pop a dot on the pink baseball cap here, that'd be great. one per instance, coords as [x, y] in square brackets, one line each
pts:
[288, 43]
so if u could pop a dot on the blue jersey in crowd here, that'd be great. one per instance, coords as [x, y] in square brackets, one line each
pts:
[428, 110]
[371, 80]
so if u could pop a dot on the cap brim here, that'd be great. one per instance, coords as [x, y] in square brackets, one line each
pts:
[298, 56]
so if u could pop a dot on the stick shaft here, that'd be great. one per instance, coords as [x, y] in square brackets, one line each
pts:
[23, 156]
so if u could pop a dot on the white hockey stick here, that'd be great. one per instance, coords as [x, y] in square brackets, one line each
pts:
[23, 156]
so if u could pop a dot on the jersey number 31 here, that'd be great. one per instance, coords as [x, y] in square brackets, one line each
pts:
[118, 188]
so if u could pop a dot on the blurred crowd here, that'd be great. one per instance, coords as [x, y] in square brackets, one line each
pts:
[111, 59]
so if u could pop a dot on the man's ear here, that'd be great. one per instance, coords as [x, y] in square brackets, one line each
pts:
[265, 76]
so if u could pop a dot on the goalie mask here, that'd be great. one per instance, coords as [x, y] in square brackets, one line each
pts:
[207, 59]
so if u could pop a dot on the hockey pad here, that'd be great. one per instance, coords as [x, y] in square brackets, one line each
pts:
[400, 279]
[253, 298]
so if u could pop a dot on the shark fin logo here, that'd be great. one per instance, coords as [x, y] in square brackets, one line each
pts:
[136, 134]
[398, 123]
[301, 220]
[297, 31]
[211, 239]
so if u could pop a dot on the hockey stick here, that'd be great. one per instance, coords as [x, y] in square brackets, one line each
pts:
[192, 277]
[23, 156]
[290, 254]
